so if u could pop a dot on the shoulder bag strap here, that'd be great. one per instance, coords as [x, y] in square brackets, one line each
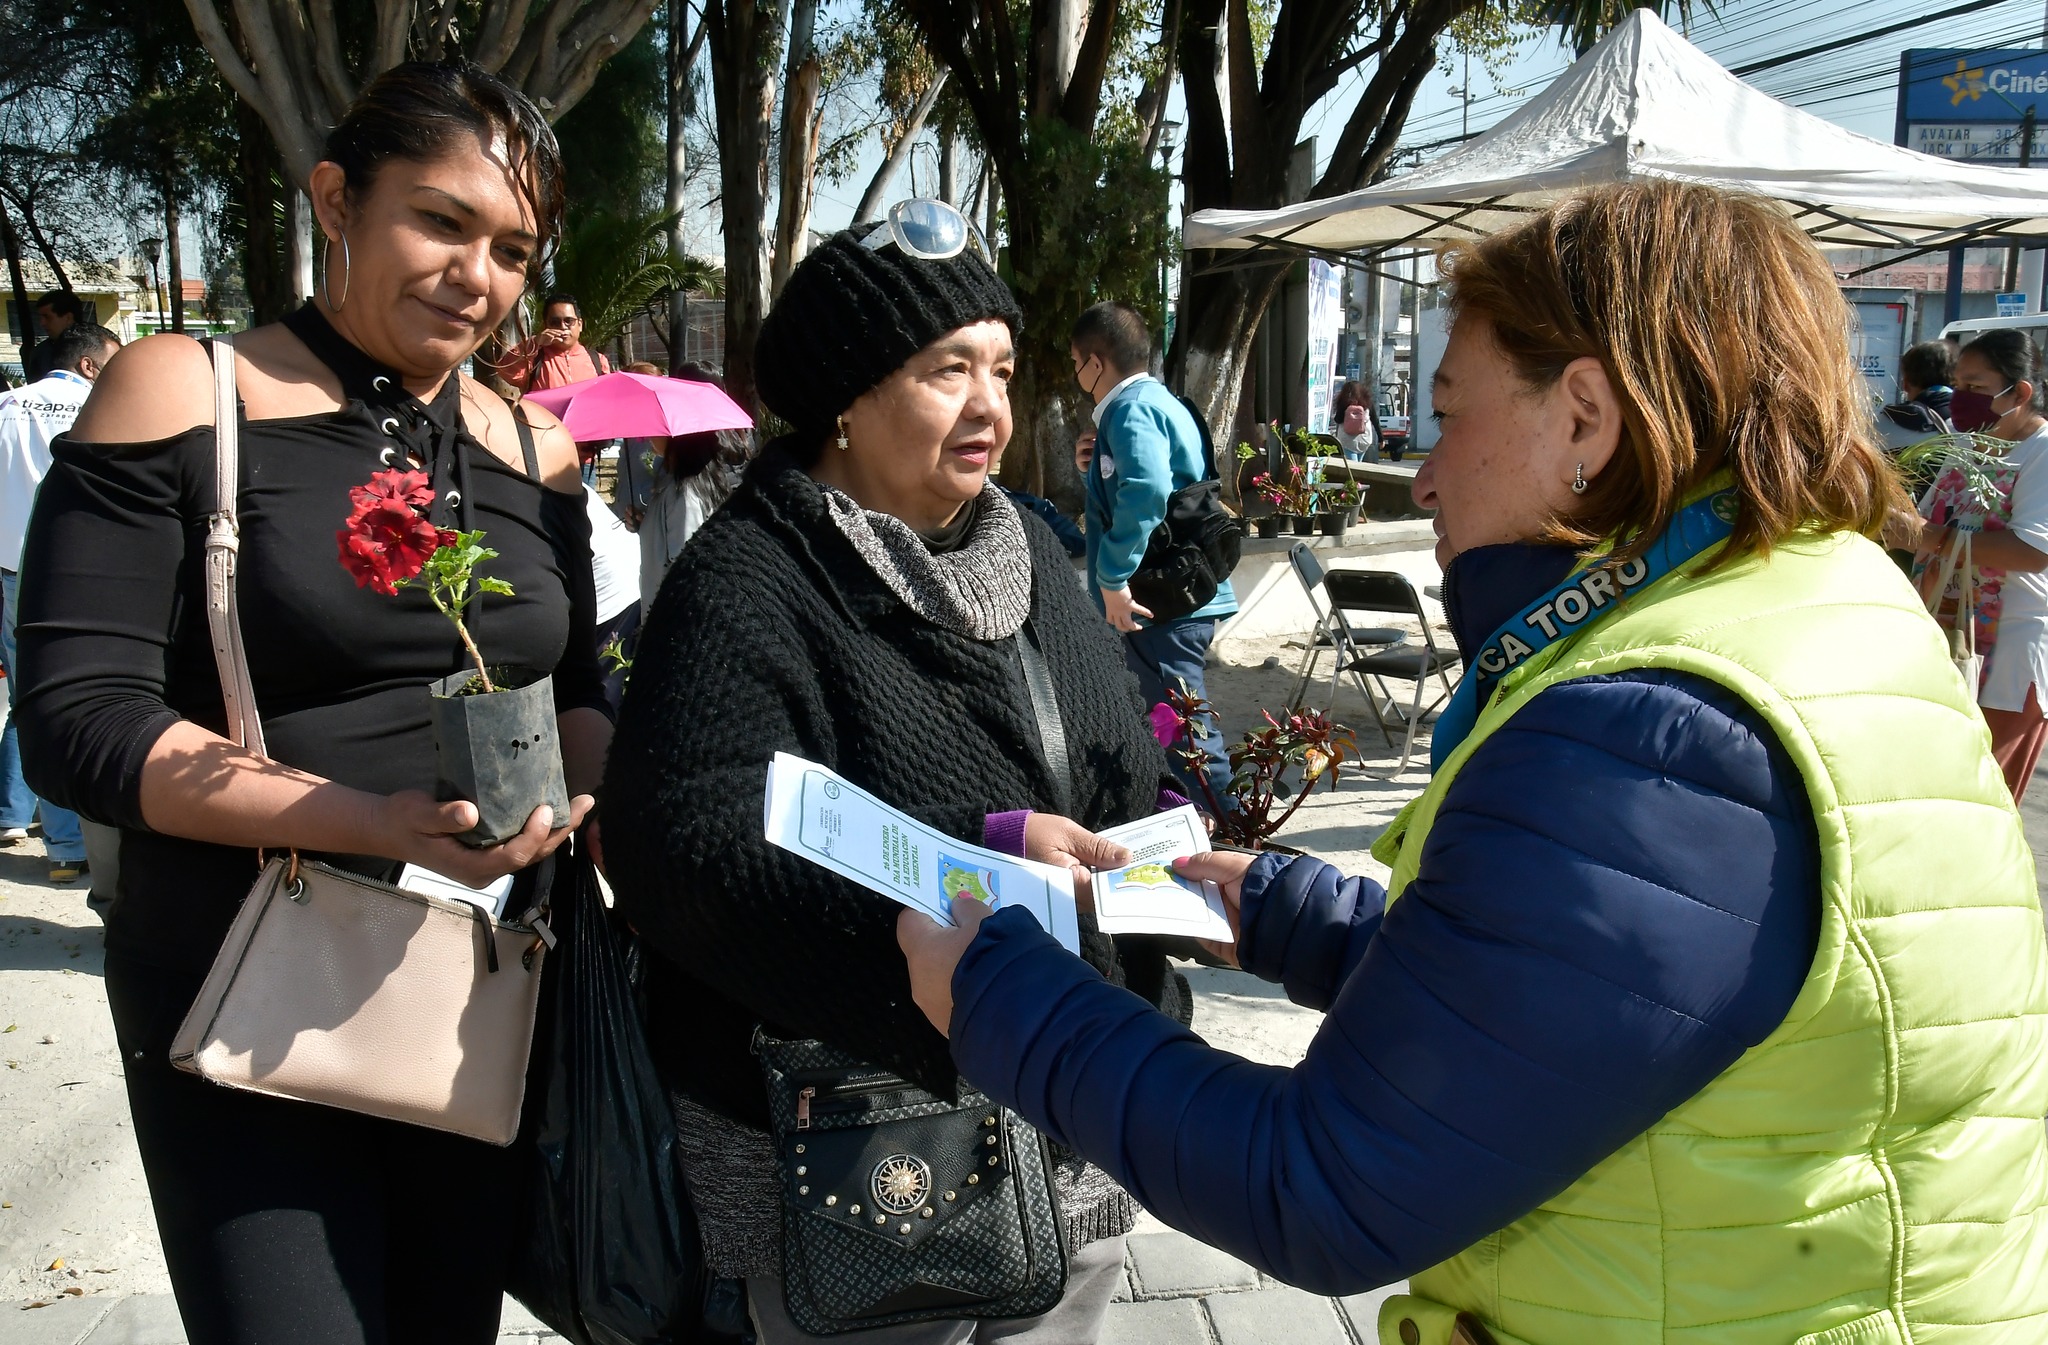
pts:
[223, 543]
[526, 446]
[1052, 730]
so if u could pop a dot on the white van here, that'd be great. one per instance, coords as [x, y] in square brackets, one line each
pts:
[1966, 330]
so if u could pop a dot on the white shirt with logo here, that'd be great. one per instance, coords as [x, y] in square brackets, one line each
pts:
[30, 418]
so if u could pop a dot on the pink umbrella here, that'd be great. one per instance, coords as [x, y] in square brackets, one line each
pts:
[640, 406]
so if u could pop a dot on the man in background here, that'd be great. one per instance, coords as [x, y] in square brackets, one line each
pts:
[555, 357]
[1147, 446]
[30, 417]
[57, 311]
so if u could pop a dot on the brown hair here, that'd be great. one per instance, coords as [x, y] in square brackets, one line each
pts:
[643, 367]
[419, 111]
[1727, 343]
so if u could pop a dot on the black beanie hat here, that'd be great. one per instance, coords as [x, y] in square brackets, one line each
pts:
[850, 315]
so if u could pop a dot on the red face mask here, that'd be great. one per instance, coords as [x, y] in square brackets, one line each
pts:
[1970, 411]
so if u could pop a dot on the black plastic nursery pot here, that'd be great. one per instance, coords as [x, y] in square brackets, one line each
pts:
[499, 750]
[1268, 525]
[1332, 524]
[1304, 524]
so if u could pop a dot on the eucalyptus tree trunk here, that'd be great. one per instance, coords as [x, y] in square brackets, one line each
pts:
[174, 252]
[800, 131]
[746, 42]
[681, 54]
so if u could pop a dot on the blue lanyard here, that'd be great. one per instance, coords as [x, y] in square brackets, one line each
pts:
[1573, 606]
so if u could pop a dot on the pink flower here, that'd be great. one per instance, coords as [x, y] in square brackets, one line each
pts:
[1167, 726]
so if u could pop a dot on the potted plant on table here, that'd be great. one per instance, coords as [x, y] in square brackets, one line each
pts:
[494, 727]
[1339, 508]
[1306, 743]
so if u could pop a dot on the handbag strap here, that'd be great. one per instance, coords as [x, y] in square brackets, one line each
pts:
[1966, 605]
[223, 545]
[1052, 730]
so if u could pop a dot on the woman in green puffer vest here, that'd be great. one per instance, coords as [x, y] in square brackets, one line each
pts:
[1705, 1002]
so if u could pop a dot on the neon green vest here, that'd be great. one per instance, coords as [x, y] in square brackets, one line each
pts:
[1875, 1171]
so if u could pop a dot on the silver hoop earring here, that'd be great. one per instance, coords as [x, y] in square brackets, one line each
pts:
[1579, 479]
[842, 434]
[327, 275]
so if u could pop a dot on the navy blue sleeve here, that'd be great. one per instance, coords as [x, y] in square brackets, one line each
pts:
[1619, 896]
[1305, 925]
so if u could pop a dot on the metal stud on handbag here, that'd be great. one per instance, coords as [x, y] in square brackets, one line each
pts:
[900, 1207]
[338, 989]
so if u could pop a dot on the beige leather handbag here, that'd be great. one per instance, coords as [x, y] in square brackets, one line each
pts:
[339, 989]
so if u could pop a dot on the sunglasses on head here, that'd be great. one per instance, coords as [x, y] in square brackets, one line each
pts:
[929, 230]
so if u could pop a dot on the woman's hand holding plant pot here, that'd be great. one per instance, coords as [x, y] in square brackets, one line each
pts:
[412, 826]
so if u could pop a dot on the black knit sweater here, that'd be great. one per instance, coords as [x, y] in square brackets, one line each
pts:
[770, 634]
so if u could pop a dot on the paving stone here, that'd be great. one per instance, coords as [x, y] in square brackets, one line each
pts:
[64, 1322]
[141, 1319]
[1363, 1310]
[1276, 1314]
[1170, 1321]
[1174, 1265]
[1123, 1292]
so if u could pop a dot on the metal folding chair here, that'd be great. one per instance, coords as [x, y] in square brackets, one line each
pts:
[1310, 572]
[1388, 591]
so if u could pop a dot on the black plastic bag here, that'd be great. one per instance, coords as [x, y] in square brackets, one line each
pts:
[609, 1254]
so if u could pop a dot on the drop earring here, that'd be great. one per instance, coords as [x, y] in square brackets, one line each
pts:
[842, 434]
[327, 274]
[1579, 479]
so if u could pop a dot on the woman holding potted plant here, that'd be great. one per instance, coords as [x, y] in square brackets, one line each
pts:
[1701, 1002]
[439, 197]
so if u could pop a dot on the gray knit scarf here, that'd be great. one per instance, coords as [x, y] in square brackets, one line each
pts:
[982, 590]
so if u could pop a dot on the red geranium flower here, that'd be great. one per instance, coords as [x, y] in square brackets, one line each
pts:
[412, 489]
[386, 539]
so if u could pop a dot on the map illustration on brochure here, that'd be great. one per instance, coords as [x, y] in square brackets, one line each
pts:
[815, 812]
[1146, 896]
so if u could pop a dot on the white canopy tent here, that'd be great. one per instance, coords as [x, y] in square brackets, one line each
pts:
[1645, 103]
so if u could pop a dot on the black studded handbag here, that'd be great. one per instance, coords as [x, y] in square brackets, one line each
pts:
[898, 1206]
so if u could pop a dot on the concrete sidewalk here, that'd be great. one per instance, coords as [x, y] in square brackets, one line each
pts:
[1176, 1292]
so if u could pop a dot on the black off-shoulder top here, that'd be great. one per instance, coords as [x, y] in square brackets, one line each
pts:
[113, 642]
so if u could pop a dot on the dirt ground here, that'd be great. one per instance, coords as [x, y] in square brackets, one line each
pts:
[74, 1209]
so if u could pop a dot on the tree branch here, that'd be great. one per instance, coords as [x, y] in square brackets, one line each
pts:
[872, 199]
[213, 35]
[334, 76]
[1407, 64]
[1324, 80]
[1084, 90]
[594, 39]
[393, 17]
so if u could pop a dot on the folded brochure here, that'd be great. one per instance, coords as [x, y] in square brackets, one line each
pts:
[1146, 896]
[815, 812]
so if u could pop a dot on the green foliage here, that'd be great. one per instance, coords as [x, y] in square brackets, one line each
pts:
[614, 140]
[1098, 214]
[618, 264]
[452, 584]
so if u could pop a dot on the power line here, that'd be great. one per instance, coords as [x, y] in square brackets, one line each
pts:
[1970, 7]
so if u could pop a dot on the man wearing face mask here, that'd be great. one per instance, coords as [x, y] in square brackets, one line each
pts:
[1998, 393]
[1147, 445]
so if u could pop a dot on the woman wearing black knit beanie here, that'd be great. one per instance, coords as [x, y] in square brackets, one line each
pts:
[861, 602]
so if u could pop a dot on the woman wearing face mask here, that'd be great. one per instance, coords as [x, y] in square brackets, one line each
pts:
[1999, 392]
[1704, 1001]
[439, 195]
[864, 601]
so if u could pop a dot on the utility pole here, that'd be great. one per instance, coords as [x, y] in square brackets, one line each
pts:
[2012, 254]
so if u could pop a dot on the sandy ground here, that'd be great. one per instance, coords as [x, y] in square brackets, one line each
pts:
[74, 1209]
